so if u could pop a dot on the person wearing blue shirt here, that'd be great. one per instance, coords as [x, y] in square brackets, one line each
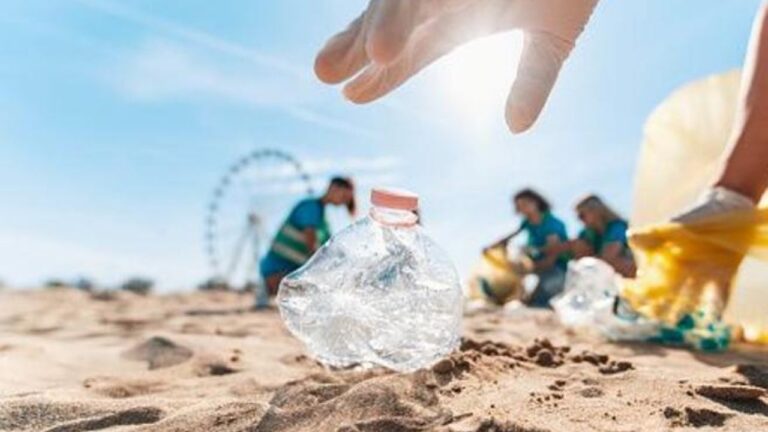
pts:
[543, 231]
[303, 232]
[604, 236]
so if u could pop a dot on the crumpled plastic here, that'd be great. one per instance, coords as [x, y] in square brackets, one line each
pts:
[685, 273]
[589, 302]
[682, 267]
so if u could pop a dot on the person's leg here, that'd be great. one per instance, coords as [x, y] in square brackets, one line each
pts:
[273, 282]
[746, 166]
[551, 283]
[272, 270]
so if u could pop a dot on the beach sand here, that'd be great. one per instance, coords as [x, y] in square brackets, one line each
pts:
[71, 361]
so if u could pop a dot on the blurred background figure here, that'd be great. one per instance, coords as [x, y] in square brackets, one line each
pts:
[603, 236]
[303, 232]
[545, 233]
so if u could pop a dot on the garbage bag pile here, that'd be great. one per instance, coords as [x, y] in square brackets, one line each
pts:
[687, 274]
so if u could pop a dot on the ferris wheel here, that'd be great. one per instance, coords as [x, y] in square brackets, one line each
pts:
[247, 206]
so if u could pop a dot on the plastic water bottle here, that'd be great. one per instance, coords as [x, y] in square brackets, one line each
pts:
[591, 285]
[591, 299]
[380, 292]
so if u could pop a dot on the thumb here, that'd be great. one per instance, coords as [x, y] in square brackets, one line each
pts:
[543, 56]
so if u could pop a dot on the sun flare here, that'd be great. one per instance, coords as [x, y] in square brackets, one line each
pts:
[474, 80]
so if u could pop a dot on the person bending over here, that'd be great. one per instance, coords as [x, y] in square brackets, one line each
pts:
[303, 232]
[544, 231]
[604, 236]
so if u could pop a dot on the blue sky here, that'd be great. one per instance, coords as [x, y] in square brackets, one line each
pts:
[118, 118]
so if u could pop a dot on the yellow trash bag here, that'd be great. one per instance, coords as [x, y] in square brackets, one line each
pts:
[686, 273]
[497, 278]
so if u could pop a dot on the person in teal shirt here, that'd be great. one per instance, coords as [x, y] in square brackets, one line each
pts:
[303, 231]
[604, 236]
[543, 231]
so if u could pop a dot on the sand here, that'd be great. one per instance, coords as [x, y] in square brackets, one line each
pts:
[70, 361]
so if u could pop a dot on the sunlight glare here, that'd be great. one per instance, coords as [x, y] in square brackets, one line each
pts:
[475, 79]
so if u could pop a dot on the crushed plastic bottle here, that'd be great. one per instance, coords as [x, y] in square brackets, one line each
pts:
[380, 292]
[591, 299]
[591, 285]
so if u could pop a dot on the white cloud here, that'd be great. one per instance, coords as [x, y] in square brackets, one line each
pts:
[163, 70]
[351, 164]
[194, 36]
[160, 70]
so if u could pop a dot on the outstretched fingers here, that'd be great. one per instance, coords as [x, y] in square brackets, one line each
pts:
[540, 63]
[343, 55]
[378, 35]
[426, 44]
[391, 24]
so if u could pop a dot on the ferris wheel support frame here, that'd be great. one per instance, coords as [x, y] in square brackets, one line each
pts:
[222, 271]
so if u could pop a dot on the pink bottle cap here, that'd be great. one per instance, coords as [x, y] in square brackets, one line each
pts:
[398, 199]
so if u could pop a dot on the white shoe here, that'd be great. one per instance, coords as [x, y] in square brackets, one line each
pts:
[715, 201]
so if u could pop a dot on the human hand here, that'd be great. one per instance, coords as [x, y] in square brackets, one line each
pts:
[714, 202]
[392, 40]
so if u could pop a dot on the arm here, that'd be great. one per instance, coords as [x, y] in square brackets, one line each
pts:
[581, 248]
[557, 248]
[746, 167]
[503, 241]
[310, 238]
[553, 242]
[308, 217]
[578, 247]
[613, 256]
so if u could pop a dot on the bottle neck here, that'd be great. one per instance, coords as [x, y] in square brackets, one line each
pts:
[393, 217]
